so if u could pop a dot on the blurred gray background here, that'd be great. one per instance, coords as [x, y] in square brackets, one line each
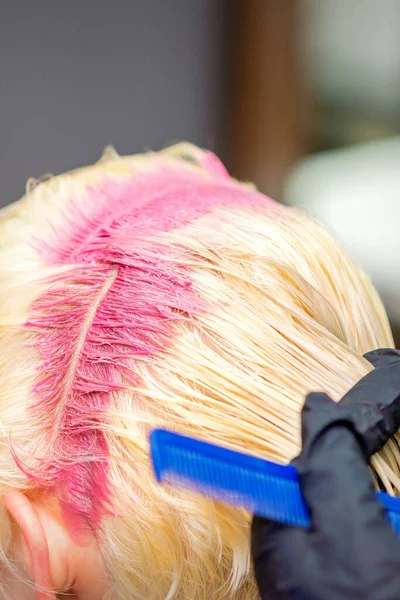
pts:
[76, 76]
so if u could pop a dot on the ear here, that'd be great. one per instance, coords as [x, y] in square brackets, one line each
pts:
[53, 560]
[34, 542]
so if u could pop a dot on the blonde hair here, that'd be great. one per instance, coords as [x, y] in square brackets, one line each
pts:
[254, 306]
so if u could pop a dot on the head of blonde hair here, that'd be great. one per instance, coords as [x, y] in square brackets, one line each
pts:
[150, 291]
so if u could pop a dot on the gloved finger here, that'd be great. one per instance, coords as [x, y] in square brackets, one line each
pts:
[382, 357]
[277, 552]
[337, 486]
[374, 402]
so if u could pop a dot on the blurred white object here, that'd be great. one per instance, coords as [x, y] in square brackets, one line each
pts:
[355, 193]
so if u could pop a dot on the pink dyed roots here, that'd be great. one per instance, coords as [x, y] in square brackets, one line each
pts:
[117, 302]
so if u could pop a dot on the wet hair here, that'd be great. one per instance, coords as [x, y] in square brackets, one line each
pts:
[155, 290]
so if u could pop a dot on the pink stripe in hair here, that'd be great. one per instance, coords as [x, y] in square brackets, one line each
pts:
[117, 300]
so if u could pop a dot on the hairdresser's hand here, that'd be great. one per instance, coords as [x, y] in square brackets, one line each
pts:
[350, 552]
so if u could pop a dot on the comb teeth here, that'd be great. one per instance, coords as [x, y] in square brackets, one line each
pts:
[260, 486]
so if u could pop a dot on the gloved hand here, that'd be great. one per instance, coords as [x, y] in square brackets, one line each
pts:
[351, 551]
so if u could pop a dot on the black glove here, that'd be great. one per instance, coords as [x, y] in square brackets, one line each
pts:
[351, 551]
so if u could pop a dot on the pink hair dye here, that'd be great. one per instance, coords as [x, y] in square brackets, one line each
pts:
[117, 300]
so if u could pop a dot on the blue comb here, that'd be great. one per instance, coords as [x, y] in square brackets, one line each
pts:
[260, 486]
